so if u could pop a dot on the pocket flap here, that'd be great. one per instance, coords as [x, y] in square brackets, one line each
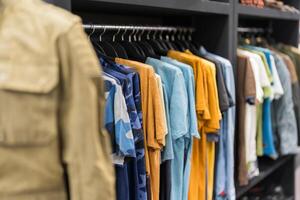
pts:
[29, 79]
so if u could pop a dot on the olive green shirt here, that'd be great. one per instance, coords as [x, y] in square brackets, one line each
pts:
[51, 103]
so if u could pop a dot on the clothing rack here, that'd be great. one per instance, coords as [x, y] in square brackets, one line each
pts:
[144, 28]
[268, 29]
[254, 30]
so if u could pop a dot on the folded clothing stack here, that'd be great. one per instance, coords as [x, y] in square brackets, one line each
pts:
[256, 3]
[278, 4]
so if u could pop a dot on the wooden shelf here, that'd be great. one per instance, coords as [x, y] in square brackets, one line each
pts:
[248, 11]
[205, 7]
[267, 167]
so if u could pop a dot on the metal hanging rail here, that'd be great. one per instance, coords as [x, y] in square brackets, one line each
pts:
[145, 28]
[254, 30]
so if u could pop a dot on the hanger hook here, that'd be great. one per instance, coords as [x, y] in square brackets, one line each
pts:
[181, 33]
[160, 34]
[114, 36]
[148, 34]
[172, 34]
[167, 34]
[100, 36]
[130, 35]
[141, 35]
[93, 30]
[135, 34]
[122, 37]
[154, 35]
[190, 35]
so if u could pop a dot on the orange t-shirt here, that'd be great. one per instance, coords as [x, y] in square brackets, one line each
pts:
[154, 124]
[211, 126]
[211, 95]
[209, 116]
[200, 83]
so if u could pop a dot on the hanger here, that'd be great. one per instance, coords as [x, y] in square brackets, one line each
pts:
[162, 41]
[132, 51]
[148, 50]
[172, 39]
[189, 41]
[98, 48]
[93, 31]
[178, 41]
[106, 46]
[145, 43]
[157, 47]
[184, 39]
[134, 42]
[118, 48]
[168, 42]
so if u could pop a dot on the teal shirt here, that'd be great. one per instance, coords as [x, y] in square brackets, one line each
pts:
[176, 96]
[181, 181]
[178, 106]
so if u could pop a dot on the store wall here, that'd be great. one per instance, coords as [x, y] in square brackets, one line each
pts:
[61, 3]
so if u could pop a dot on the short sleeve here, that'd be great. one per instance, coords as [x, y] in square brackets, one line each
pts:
[159, 131]
[164, 117]
[277, 86]
[263, 76]
[213, 124]
[222, 91]
[193, 114]
[256, 73]
[250, 84]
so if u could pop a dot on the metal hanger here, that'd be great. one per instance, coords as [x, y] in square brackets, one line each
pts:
[114, 36]
[93, 31]
[101, 34]
[120, 50]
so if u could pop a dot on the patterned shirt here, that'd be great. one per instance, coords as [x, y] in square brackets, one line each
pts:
[117, 120]
[135, 169]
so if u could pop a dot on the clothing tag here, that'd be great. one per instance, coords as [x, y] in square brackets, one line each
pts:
[118, 160]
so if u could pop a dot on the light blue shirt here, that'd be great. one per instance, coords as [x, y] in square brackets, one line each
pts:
[181, 181]
[176, 96]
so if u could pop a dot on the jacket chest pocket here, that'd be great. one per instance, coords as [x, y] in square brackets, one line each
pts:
[28, 104]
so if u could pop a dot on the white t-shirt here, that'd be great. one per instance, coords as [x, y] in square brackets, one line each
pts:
[261, 81]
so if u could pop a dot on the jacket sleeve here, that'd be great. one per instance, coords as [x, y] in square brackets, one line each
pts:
[85, 145]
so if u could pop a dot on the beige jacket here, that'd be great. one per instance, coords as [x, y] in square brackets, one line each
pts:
[51, 104]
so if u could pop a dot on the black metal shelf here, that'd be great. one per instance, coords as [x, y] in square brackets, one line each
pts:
[205, 7]
[267, 167]
[248, 11]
